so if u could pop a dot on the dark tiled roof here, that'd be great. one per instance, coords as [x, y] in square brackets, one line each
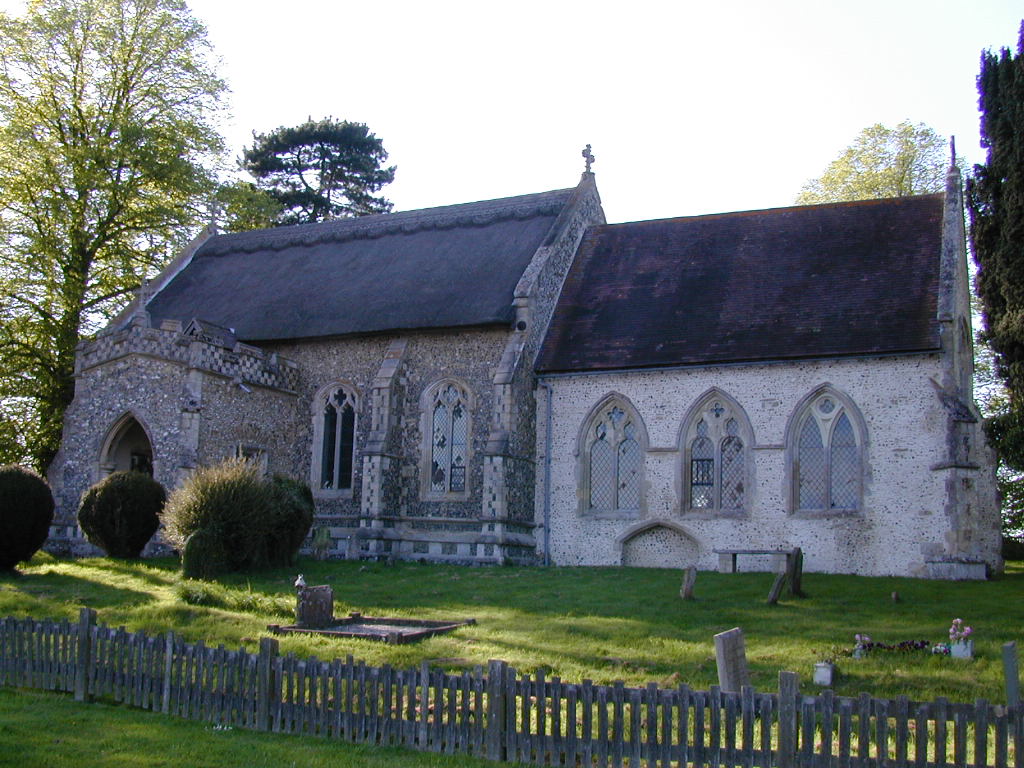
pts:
[812, 281]
[435, 268]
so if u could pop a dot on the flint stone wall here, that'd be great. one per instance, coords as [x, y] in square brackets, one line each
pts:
[914, 508]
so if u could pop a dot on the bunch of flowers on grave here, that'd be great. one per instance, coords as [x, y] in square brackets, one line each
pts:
[960, 644]
[958, 632]
[864, 644]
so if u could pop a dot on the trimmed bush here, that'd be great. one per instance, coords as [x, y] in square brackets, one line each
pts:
[26, 511]
[246, 520]
[291, 519]
[120, 513]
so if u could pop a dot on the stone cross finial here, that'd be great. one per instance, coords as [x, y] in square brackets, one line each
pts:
[589, 157]
[952, 151]
[142, 296]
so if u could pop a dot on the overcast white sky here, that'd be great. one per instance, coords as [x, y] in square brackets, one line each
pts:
[691, 107]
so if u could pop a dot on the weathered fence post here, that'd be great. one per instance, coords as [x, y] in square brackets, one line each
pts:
[165, 699]
[789, 691]
[495, 735]
[267, 686]
[1011, 674]
[86, 622]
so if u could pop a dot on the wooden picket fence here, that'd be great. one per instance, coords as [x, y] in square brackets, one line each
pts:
[503, 715]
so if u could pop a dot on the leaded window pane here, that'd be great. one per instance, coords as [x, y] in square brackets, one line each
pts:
[439, 449]
[348, 423]
[732, 471]
[328, 447]
[702, 471]
[629, 474]
[458, 460]
[811, 459]
[844, 462]
[602, 475]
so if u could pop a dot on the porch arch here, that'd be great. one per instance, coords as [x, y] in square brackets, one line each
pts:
[127, 446]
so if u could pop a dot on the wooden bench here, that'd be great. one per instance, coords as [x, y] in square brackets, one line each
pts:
[727, 558]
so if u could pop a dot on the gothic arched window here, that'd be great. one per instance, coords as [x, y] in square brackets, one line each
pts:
[335, 435]
[612, 459]
[826, 449]
[715, 461]
[448, 434]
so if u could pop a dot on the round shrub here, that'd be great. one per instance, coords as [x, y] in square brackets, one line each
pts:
[231, 502]
[26, 511]
[247, 521]
[120, 513]
[290, 520]
[203, 556]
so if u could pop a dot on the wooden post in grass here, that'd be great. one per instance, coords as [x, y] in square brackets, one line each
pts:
[86, 622]
[1011, 674]
[689, 579]
[789, 693]
[795, 572]
[267, 687]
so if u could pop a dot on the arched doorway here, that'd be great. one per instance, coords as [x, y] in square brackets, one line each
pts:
[127, 447]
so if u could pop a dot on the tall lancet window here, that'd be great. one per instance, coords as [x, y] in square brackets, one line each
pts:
[715, 466]
[337, 430]
[449, 440]
[828, 455]
[613, 461]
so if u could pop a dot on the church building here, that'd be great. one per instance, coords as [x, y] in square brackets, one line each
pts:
[517, 381]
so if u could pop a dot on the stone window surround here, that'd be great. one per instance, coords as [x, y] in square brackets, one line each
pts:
[427, 401]
[317, 407]
[582, 455]
[686, 434]
[800, 413]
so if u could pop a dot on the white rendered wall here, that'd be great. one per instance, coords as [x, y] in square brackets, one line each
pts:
[904, 518]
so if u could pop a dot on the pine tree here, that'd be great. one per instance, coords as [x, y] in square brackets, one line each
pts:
[995, 197]
[321, 169]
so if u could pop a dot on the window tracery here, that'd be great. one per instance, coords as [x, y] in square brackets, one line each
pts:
[336, 430]
[715, 464]
[827, 459]
[612, 460]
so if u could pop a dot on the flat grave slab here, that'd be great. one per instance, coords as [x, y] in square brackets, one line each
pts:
[389, 629]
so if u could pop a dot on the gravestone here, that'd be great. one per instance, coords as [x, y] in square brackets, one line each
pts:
[731, 655]
[314, 606]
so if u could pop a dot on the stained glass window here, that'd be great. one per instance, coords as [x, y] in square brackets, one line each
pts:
[614, 462]
[828, 458]
[337, 449]
[449, 441]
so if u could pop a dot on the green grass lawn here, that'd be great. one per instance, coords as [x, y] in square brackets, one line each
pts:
[43, 730]
[604, 624]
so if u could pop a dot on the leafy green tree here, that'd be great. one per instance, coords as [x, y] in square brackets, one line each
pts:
[107, 114]
[910, 159]
[245, 206]
[321, 169]
[995, 201]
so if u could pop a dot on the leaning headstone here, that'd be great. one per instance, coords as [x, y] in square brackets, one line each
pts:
[795, 572]
[777, 585]
[731, 655]
[314, 606]
[689, 579]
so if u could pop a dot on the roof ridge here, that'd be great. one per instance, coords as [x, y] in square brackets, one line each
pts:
[478, 213]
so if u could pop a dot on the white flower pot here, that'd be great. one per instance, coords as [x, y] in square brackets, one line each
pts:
[962, 649]
[824, 673]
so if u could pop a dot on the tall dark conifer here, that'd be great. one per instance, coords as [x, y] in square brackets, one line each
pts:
[995, 196]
